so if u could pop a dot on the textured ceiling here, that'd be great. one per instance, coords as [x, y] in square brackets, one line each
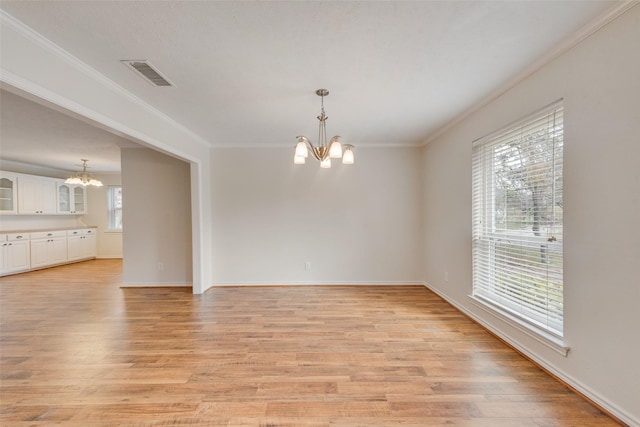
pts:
[246, 72]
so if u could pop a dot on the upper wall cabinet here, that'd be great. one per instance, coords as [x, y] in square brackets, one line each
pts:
[8, 199]
[72, 199]
[36, 195]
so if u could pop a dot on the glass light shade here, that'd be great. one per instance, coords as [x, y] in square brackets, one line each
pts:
[298, 160]
[348, 158]
[335, 149]
[95, 182]
[73, 180]
[326, 163]
[301, 149]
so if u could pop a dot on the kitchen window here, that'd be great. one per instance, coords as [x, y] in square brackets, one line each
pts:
[114, 203]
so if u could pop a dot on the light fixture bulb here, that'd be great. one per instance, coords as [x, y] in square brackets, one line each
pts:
[326, 163]
[301, 149]
[347, 157]
[335, 149]
[298, 160]
[73, 180]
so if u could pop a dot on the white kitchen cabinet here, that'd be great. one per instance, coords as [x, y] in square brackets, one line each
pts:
[48, 248]
[8, 193]
[36, 195]
[81, 244]
[72, 199]
[15, 256]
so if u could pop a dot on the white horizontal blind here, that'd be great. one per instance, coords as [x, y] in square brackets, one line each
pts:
[517, 219]
[114, 202]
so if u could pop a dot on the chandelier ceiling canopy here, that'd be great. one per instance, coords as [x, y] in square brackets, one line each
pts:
[324, 151]
[83, 177]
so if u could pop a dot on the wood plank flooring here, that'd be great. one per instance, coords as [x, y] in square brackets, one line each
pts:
[77, 350]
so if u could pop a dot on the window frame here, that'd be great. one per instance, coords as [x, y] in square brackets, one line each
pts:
[485, 238]
[112, 209]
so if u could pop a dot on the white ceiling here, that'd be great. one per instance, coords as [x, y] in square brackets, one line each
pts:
[34, 134]
[246, 71]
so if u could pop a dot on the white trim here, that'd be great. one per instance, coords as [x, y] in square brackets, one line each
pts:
[154, 285]
[357, 145]
[257, 284]
[560, 49]
[590, 394]
[549, 340]
[555, 105]
[48, 45]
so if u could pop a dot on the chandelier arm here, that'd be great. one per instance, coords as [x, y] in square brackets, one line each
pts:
[316, 153]
[310, 147]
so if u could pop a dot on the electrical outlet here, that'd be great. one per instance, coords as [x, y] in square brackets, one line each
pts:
[307, 265]
[446, 276]
[160, 266]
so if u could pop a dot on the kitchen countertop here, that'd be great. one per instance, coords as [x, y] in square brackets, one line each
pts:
[37, 230]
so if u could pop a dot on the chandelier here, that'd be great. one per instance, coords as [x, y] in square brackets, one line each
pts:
[324, 151]
[83, 178]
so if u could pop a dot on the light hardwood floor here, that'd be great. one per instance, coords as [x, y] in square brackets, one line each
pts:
[77, 350]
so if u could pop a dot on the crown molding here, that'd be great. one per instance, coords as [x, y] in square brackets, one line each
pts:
[564, 46]
[46, 44]
[356, 145]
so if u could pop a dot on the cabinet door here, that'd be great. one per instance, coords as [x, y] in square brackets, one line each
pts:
[79, 200]
[74, 248]
[90, 244]
[8, 199]
[48, 196]
[58, 250]
[39, 250]
[28, 200]
[3, 256]
[17, 257]
[64, 198]
[36, 195]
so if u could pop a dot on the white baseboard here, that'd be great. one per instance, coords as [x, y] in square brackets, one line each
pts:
[230, 284]
[583, 389]
[154, 285]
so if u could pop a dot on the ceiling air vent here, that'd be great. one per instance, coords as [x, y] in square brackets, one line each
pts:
[148, 72]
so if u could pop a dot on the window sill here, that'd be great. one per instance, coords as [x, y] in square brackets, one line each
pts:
[113, 232]
[539, 335]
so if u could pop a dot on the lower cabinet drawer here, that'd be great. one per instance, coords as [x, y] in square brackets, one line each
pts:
[17, 237]
[48, 234]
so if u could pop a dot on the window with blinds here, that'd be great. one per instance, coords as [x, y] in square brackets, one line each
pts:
[517, 220]
[114, 206]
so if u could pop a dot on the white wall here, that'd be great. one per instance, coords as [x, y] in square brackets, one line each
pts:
[39, 222]
[109, 242]
[156, 220]
[600, 82]
[355, 224]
